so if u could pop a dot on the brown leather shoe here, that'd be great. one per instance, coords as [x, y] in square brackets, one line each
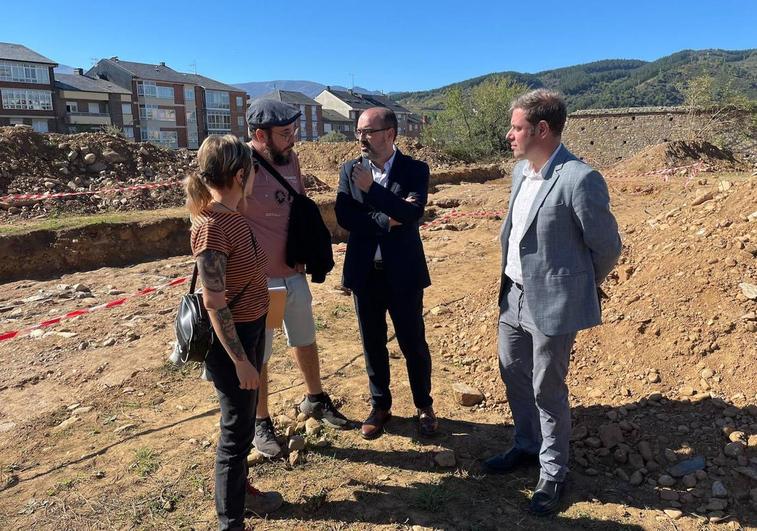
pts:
[427, 421]
[373, 426]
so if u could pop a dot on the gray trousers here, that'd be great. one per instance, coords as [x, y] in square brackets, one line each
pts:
[533, 367]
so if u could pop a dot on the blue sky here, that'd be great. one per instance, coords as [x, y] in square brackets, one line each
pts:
[388, 45]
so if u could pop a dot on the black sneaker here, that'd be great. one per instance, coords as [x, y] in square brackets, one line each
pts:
[325, 411]
[265, 438]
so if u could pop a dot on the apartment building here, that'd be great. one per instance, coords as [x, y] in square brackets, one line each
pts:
[351, 104]
[27, 86]
[90, 104]
[175, 109]
[311, 121]
[333, 121]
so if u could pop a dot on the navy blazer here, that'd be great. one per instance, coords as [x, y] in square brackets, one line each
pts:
[570, 244]
[366, 217]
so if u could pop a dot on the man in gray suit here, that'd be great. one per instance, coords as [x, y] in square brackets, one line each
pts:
[559, 242]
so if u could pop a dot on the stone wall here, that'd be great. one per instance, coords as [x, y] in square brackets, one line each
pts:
[605, 136]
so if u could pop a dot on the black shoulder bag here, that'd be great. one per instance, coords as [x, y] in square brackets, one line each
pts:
[308, 238]
[194, 332]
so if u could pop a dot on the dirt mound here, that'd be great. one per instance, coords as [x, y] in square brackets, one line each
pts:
[677, 154]
[329, 156]
[34, 163]
[671, 371]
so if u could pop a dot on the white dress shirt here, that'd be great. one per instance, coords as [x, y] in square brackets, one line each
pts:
[521, 208]
[381, 177]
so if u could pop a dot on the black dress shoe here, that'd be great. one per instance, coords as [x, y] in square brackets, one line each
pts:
[427, 421]
[511, 460]
[546, 498]
[373, 426]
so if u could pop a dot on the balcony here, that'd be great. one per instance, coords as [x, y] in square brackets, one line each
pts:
[87, 118]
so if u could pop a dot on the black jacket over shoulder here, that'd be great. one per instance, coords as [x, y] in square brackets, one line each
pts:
[366, 217]
[308, 239]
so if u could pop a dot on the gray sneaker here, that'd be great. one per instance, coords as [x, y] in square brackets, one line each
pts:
[325, 411]
[265, 438]
[259, 502]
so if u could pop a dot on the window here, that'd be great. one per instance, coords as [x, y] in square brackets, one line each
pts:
[169, 138]
[191, 116]
[126, 108]
[72, 106]
[39, 125]
[216, 99]
[93, 108]
[240, 102]
[240, 121]
[313, 113]
[165, 138]
[193, 141]
[24, 72]
[129, 132]
[189, 95]
[147, 88]
[25, 99]
[152, 112]
[219, 122]
[165, 93]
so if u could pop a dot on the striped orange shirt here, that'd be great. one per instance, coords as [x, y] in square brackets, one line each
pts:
[229, 233]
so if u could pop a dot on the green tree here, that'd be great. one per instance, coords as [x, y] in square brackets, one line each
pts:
[711, 109]
[473, 124]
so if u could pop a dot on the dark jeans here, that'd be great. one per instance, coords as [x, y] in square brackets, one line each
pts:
[237, 423]
[406, 311]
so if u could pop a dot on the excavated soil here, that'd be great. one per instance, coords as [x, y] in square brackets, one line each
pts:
[98, 432]
[678, 156]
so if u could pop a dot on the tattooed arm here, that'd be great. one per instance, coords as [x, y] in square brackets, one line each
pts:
[212, 268]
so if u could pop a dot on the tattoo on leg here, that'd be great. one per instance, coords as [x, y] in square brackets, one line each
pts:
[212, 268]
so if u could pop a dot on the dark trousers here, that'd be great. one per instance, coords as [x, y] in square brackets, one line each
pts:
[237, 423]
[406, 311]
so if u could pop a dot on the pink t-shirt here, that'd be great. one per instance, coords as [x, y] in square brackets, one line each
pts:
[267, 211]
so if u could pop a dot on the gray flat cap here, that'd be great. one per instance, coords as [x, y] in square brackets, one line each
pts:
[264, 113]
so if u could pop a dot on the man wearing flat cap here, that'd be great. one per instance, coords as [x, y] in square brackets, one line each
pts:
[273, 128]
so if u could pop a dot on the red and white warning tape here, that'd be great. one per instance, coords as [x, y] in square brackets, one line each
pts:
[47, 195]
[84, 311]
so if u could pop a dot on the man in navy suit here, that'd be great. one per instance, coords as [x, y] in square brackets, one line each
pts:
[559, 242]
[380, 201]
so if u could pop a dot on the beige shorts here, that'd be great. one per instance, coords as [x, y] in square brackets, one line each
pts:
[299, 325]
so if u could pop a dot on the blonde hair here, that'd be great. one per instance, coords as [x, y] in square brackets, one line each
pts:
[218, 159]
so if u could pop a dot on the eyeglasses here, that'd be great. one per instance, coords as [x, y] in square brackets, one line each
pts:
[286, 136]
[368, 132]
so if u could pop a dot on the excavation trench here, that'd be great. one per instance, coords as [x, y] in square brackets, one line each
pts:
[48, 253]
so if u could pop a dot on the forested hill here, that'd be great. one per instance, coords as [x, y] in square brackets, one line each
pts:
[620, 82]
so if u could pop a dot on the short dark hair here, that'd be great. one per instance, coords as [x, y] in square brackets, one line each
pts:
[543, 104]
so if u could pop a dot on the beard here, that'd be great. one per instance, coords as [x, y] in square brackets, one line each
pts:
[367, 149]
[279, 158]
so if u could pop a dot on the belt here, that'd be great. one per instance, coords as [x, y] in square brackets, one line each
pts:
[378, 265]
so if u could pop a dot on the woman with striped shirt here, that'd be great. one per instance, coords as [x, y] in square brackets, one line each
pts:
[232, 267]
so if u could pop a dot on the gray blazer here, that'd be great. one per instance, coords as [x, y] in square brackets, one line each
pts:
[570, 244]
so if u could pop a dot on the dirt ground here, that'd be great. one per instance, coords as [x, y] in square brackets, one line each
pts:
[97, 431]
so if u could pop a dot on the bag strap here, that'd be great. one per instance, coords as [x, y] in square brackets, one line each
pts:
[276, 175]
[193, 283]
